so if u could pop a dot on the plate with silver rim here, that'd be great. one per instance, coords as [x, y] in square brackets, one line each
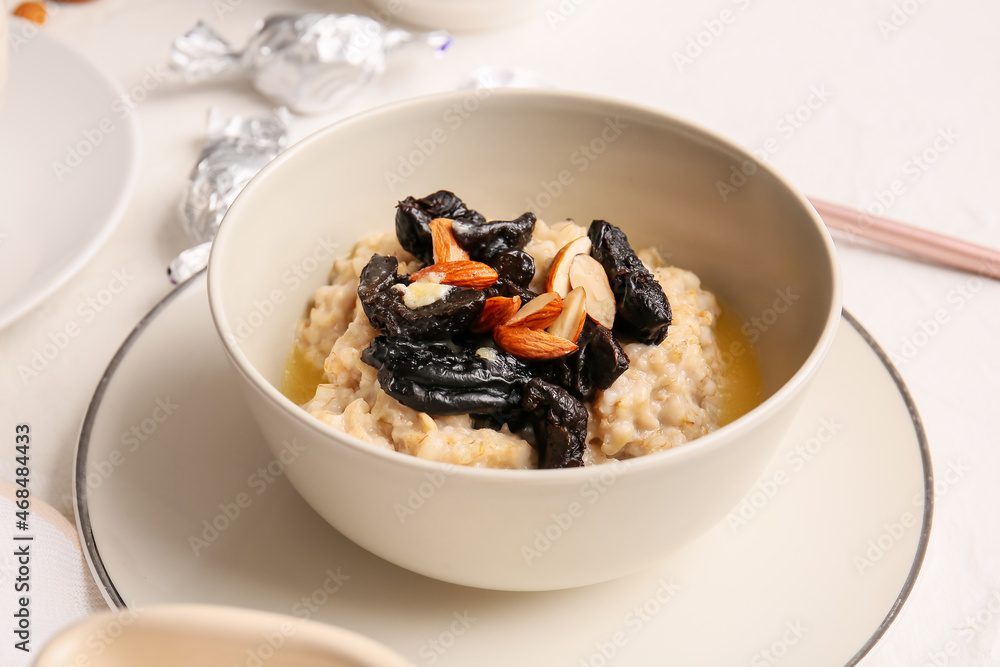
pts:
[180, 500]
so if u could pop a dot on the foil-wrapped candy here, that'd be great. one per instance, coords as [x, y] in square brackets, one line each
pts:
[235, 150]
[309, 63]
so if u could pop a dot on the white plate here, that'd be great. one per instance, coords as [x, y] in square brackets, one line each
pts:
[69, 148]
[828, 552]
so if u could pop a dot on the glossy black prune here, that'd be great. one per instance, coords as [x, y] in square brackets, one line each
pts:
[485, 240]
[559, 421]
[643, 311]
[450, 315]
[515, 270]
[516, 266]
[413, 220]
[438, 379]
[596, 364]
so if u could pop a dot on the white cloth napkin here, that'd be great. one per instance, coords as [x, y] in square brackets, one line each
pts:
[61, 589]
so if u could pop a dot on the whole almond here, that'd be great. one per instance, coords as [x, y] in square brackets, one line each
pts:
[532, 344]
[498, 309]
[446, 247]
[463, 273]
[31, 11]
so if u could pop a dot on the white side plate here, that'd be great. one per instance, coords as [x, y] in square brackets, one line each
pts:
[179, 500]
[69, 154]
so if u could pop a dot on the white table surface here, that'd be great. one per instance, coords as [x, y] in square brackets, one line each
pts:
[882, 93]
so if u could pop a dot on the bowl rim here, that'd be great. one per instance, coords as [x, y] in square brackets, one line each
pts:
[332, 640]
[697, 448]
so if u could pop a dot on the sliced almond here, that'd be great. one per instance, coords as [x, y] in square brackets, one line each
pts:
[463, 273]
[538, 313]
[498, 309]
[446, 248]
[570, 322]
[558, 279]
[532, 344]
[587, 272]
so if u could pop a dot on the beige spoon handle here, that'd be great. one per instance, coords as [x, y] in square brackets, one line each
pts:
[920, 242]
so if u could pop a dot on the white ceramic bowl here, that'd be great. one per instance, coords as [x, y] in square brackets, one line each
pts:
[655, 176]
[206, 636]
[458, 15]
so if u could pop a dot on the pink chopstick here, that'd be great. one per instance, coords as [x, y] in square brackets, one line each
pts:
[930, 245]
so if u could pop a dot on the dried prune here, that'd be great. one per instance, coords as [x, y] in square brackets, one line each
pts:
[598, 362]
[383, 303]
[439, 379]
[643, 311]
[413, 220]
[559, 421]
[485, 240]
[515, 270]
[516, 266]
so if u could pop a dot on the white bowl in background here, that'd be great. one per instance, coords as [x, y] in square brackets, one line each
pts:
[458, 15]
[654, 175]
[206, 636]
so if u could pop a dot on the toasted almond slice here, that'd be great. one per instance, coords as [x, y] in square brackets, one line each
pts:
[498, 309]
[587, 272]
[463, 273]
[532, 344]
[538, 313]
[446, 248]
[558, 279]
[570, 322]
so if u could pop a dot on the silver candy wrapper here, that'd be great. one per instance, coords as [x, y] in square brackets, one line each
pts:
[234, 151]
[309, 63]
